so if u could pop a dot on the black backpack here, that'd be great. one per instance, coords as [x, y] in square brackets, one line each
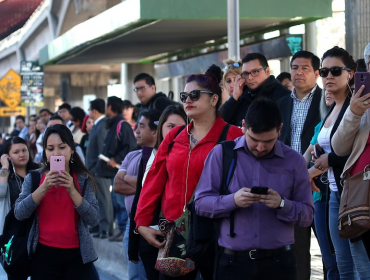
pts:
[14, 254]
[202, 242]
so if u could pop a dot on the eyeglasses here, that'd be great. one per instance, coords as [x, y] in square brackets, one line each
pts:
[194, 95]
[235, 65]
[335, 71]
[253, 73]
[137, 89]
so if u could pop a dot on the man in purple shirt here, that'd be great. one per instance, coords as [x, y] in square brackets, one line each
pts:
[264, 224]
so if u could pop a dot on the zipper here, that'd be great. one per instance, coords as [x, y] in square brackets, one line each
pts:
[186, 182]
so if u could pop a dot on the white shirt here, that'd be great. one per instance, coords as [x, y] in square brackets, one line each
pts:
[324, 141]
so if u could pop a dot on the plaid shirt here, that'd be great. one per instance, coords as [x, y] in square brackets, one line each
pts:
[299, 114]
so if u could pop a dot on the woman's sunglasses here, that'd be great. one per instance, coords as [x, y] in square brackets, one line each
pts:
[336, 71]
[234, 65]
[193, 95]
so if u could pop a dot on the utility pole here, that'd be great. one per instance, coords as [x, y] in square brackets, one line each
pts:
[233, 29]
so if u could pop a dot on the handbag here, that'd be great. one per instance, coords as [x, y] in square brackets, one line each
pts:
[13, 241]
[4, 208]
[354, 210]
[172, 259]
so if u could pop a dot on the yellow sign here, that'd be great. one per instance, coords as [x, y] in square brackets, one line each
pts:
[7, 112]
[10, 89]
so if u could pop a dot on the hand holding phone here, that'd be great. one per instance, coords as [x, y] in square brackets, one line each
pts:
[57, 163]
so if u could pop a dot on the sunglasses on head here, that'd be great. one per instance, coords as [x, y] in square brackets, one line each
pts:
[193, 95]
[336, 71]
[235, 65]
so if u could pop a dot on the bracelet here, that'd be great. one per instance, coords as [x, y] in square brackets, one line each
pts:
[4, 172]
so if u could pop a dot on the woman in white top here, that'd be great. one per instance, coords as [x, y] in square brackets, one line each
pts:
[337, 74]
[78, 116]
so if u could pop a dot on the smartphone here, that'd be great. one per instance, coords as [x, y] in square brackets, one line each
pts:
[57, 163]
[259, 190]
[318, 150]
[362, 78]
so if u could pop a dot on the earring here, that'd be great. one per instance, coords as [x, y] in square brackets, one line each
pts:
[72, 159]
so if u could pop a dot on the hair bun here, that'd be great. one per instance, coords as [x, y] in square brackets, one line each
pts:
[214, 71]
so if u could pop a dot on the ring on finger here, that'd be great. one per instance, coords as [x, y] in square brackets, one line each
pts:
[365, 103]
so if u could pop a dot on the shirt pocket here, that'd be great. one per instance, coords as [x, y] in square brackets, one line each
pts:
[280, 180]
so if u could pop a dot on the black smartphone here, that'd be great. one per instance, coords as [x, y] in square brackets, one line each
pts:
[259, 190]
[318, 150]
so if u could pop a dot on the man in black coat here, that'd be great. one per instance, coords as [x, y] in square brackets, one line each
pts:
[254, 82]
[120, 140]
[300, 114]
[144, 86]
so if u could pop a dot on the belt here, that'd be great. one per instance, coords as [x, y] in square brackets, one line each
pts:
[256, 253]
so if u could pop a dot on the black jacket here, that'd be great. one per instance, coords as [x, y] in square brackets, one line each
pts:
[233, 111]
[159, 101]
[114, 147]
[285, 105]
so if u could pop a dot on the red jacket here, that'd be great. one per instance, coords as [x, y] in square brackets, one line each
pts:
[176, 174]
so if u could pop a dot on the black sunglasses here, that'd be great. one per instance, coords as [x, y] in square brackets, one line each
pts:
[336, 71]
[194, 95]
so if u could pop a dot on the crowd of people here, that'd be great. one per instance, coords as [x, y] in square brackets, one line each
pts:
[141, 175]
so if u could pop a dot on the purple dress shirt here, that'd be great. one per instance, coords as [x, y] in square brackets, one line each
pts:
[257, 226]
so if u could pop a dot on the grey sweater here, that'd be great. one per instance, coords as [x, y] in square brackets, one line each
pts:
[88, 215]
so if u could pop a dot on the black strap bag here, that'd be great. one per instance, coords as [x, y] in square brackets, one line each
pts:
[14, 256]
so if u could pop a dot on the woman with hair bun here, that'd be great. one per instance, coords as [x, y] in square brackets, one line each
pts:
[178, 164]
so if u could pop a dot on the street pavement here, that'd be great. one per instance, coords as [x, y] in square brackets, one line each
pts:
[316, 264]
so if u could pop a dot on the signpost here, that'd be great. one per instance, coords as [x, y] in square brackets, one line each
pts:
[32, 87]
[10, 95]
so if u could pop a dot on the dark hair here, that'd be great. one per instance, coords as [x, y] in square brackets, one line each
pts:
[66, 136]
[98, 105]
[64, 106]
[46, 110]
[170, 110]
[343, 55]
[152, 115]
[127, 104]
[115, 103]
[263, 115]
[284, 75]
[77, 114]
[253, 56]
[20, 118]
[17, 140]
[56, 117]
[361, 65]
[144, 76]
[315, 61]
[210, 80]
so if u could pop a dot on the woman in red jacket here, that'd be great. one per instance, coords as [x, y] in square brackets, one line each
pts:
[178, 164]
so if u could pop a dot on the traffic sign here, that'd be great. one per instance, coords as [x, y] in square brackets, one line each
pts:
[7, 112]
[10, 89]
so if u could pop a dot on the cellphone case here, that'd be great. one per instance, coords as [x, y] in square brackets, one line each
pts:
[362, 78]
[57, 163]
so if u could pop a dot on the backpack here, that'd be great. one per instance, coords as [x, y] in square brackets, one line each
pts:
[118, 129]
[14, 254]
[202, 242]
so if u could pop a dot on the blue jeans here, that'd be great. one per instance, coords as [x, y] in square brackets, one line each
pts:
[119, 209]
[135, 271]
[352, 259]
[324, 242]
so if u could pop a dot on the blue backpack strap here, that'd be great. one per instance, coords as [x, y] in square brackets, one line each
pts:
[228, 168]
[224, 133]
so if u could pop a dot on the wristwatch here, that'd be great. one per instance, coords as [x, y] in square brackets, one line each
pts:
[282, 203]
[4, 172]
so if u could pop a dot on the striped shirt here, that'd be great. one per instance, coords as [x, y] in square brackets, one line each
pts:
[299, 114]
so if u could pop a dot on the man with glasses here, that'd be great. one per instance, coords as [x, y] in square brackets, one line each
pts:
[300, 114]
[265, 203]
[145, 89]
[254, 82]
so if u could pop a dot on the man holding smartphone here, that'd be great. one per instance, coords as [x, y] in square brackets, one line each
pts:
[263, 223]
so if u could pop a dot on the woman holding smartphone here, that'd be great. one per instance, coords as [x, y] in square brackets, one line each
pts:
[337, 74]
[178, 164]
[64, 203]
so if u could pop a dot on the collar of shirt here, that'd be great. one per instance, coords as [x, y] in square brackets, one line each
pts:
[276, 150]
[308, 96]
[99, 119]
